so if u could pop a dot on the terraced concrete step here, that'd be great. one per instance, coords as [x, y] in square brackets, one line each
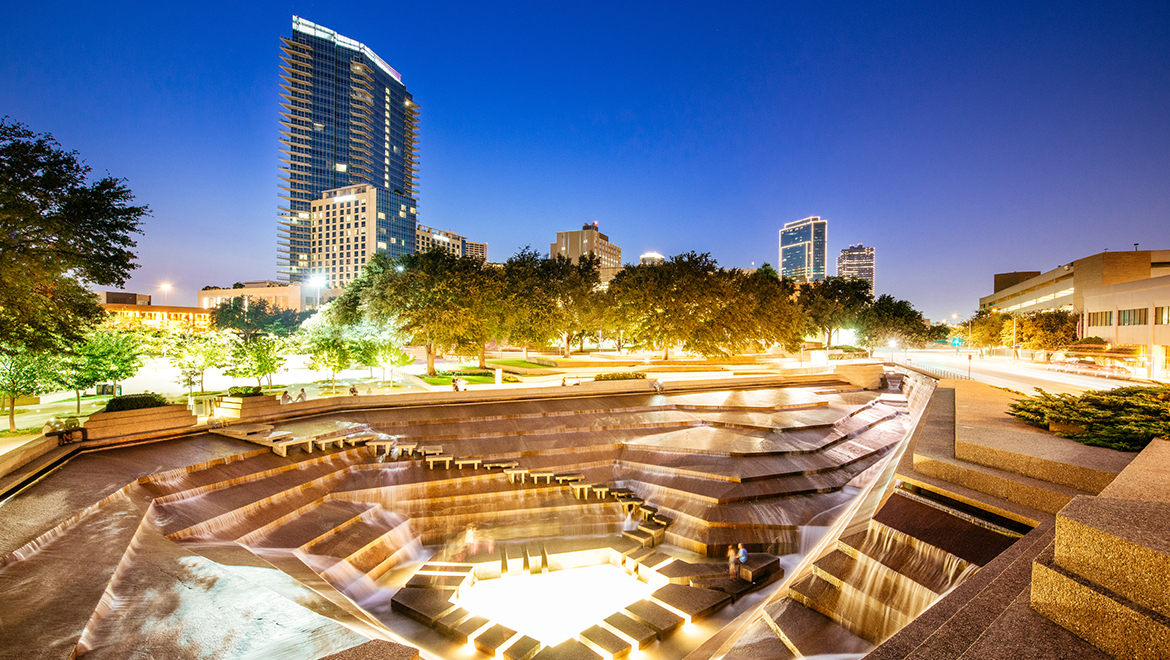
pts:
[811, 633]
[1027, 491]
[927, 566]
[878, 589]
[819, 595]
[307, 524]
[1122, 545]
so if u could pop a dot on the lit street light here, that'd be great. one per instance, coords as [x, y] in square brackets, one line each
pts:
[317, 281]
[166, 288]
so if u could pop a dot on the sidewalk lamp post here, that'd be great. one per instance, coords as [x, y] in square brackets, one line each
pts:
[166, 288]
[893, 350]
[317, 282]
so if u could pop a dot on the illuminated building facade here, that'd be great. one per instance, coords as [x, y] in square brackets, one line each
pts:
[803, 251]
[856, 261]
[429, 238]
[346, 119]
[574, 244]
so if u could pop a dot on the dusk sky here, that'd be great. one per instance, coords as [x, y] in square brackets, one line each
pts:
[959, 141]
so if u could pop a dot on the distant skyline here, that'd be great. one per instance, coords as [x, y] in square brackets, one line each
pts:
[959, 141]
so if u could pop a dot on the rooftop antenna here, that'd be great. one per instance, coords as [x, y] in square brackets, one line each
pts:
[1135, 247]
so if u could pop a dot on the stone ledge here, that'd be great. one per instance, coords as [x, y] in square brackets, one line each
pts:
[1097, 615]
[1032, 493]
[1073, 476]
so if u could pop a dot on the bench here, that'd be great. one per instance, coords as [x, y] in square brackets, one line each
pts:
[537, 474]
[431, 450]
[580, 490]
[570, 478]
[516, 472]
[280, 447]
[464, 462]
[439, 458]
[503, 465]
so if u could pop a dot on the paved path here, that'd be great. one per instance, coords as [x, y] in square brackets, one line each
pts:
[1019, 375]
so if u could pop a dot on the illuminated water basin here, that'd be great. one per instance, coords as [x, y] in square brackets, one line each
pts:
[552, 607]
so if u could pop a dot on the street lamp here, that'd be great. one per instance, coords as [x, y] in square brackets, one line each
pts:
[166, 288]
[317, 281]
[893, 348]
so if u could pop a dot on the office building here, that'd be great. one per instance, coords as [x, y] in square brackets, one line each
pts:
[856, 261]
[474, 249]
[278, 295]
[429, 238]
[347, 226]
[651, 258]
[1134, 319]
[123, 298]
[589, 238]
[346, 120]
[1064, 287]
[803, 251]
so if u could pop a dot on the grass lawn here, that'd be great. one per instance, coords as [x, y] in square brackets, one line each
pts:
[520, 364]
[471, 380]
[32, 430]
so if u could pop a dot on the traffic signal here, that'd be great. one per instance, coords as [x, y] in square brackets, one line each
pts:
[955, 341]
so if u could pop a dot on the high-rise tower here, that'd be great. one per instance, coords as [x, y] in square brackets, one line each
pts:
[803, 250]
[856, 261]
[346, 119]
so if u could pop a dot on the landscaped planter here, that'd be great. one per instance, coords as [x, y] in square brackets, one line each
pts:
[1065, 427]
[131, 422]
[238, 407]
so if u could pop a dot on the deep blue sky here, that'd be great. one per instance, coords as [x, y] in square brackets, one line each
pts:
[959, 140]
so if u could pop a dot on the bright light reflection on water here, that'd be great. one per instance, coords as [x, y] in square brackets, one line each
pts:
[552, 607]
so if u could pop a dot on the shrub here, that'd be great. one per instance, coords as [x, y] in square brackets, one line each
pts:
[1125, 419]
[136, 402]
[245, 390]
[623, 375]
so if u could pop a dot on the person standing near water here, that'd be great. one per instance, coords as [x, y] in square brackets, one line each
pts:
[731, 572]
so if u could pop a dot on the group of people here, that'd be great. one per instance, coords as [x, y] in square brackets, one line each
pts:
[735, 559]
[458, 385]
[286, 399]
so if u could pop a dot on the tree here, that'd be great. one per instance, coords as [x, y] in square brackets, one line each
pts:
[324, 338]
[435, 298]
[24, 373]
[985, 329]
[104, 355]
[571, 287]
[1048, 331]
[676, 301]
[259, 358]
[194, 354]
[532, 308]
[889, 319]
[834, 303]
[250, 317]
[58, 234]
[375, 345]
[771, 317]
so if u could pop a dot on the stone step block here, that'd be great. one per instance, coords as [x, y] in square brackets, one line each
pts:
[1104, 618]
[1122, 545]
[900, 554]
[490, 640]
[655, 617]
[694, 602]
[810, 633]
[605, 643]
[570, 649]
[880, 589]
[622, 625]
[426, 606]
[524, 648]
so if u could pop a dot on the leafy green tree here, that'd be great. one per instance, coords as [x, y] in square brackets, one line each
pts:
[435, 298]
[770, 315]
[835, 303]
[985, 329]
[251, 317]
[259, 358]
[194, 354]
[889, 319]
[105, 355]
[532, 310]
[572, 287]
[375, 345]
[677, 301]
[58, 234]
[24, 373]
[766, 270]
[325, 340]
[1047, 331]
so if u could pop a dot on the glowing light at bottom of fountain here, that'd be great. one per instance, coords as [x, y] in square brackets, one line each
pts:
[552, 607]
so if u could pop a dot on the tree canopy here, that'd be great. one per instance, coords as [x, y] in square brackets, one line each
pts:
[59, 233]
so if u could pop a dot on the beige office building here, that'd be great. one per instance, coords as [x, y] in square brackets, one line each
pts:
[474, 249]
[1064, 287]
[588, 239]
[1134, 318]
[278, 295]
[429, 238]
[342, 234]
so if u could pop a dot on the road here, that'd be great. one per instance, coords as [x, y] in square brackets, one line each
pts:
[1020, 375]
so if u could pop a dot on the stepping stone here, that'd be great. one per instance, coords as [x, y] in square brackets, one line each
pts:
[463, 631]
[623, 624]
[503, 465]
[437, 458]
[523, 649]
[663, 520]
[655, 530]
[464, 462]
[647, 511]
[655, 617]
[516, 472]
[601, 489]
[431, 450]
[759, 567]
[493, 638]
[446, 582]
[605, 642]
[423, 605]
[537, 474]
[568, 478]
[644, 538]
[446, 625]
[696, 603]
[570, 649]
[580, 490]
[632, 559]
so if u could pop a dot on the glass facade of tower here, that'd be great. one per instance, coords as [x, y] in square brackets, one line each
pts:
[857, 261]
[803, 250]
[346, 119]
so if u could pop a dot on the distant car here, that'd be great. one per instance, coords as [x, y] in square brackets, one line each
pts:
[1114, 371]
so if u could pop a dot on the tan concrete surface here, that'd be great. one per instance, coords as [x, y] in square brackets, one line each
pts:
[987, 435]
[1147, 477]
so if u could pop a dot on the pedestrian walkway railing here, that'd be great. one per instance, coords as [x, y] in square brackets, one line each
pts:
[933, 372]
